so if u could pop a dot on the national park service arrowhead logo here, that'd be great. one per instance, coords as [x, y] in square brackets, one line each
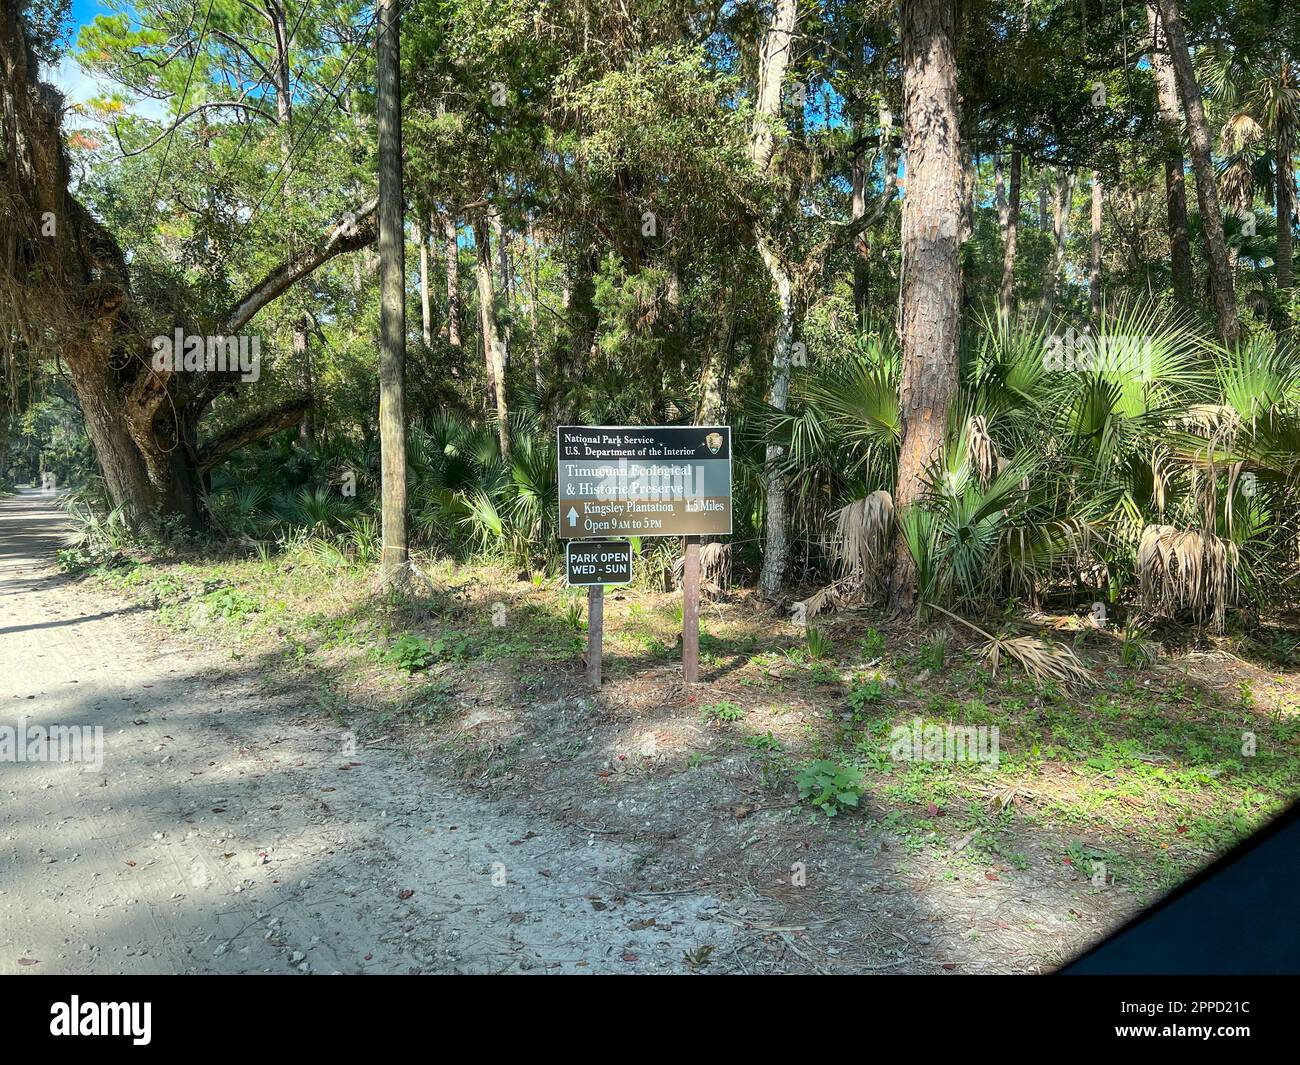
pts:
[714, 442]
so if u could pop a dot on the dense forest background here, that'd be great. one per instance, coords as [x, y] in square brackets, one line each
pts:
[998, 297]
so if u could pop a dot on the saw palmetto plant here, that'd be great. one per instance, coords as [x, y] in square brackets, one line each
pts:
[1149, 462]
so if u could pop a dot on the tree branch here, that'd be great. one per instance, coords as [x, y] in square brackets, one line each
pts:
[188, 114]
[253, 429]
[350, 233]
[846, 232]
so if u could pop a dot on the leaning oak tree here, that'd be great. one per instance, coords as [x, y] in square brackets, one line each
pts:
[66, 295]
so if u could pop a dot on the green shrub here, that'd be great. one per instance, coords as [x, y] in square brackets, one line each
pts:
[411, 653]
[829, 786]
[725, 712]
[231, 603]
[865, 692]
[872, 645]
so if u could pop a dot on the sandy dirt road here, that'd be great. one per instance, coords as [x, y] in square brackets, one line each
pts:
[230, 830]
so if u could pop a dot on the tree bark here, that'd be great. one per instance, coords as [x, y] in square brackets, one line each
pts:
[302, 359]
[932, 278]
[1007, 290]
[1284, 201]
[969, 192]
[451, 258]
[1180, 248]
[395, 560]
[493, 349]
[776, 553]
[861, 247]
[774, 58]
[420, 233]
[534, 286]
[1094, 260]
[1060, 235]
[356, 230]
[252, 429]
[503, 285]
[1207, 196]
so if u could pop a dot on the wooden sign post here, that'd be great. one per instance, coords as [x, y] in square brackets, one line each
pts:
[595, 632]
[641, 480]
[691, 611]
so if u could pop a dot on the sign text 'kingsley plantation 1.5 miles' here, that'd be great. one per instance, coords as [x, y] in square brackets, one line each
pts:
[644, 480]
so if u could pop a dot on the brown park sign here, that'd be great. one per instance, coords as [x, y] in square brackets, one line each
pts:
[644, 480]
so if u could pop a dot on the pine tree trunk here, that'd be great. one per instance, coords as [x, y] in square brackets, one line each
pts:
[493, 348]
[969, 192]
[451, 257]
[421, 235]
[392, 282]
[1207, 197]
[1180, 248]
[1007, 290]
[774, 57]
[776, 553]
[534, 255]
[861, 246]
[1094, 262]
[1284, 201]
[932, 270]
[503, 284]
[302, 359]
[1060, 235]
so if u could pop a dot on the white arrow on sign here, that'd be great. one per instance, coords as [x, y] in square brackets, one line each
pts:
[573, 516]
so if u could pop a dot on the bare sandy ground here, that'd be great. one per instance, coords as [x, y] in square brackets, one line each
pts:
[229, 830]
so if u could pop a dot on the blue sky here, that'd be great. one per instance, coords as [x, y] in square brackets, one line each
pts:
[85, 10]
[77, 86]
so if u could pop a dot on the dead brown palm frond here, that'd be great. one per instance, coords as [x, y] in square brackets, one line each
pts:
[807, 609]
[859, 547]
[1218, 421]
[1162, 472]
[1241, 131]
[715, 564]
[1237, 182]
[981, 451]
[1041, 660]
[859, 542]
[1188, 569]
[1230, 493]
